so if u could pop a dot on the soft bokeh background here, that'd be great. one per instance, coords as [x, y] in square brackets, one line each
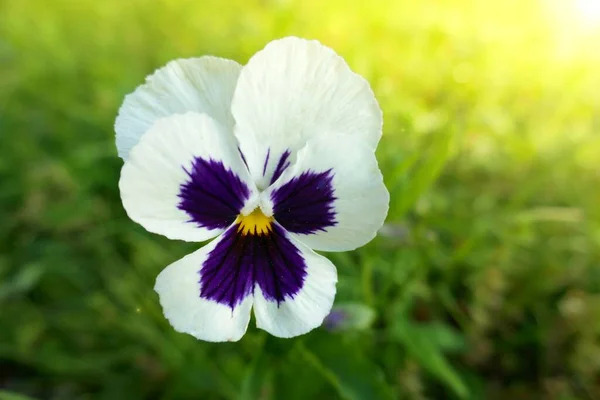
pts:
[485, 282]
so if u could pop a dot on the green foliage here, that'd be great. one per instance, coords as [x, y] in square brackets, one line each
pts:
[485, 281]
[4, 395]
[350, 373]
[426, 344]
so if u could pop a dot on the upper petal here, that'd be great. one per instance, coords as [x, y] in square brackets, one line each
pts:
[292, 91]
[204, 84]
[333, 198]
[185, 179]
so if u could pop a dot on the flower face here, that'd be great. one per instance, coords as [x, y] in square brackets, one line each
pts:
[273, 160]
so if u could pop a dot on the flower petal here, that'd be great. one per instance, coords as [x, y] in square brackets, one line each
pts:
[185, 179]
[209, 293]
[204, 84]
[333, 198]
[298, 313]
[188, 311]
[292, 91]
[245, 258]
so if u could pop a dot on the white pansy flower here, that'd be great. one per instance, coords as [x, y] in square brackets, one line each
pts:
[274, 160]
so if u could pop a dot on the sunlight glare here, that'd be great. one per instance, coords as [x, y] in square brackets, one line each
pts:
[589, 10]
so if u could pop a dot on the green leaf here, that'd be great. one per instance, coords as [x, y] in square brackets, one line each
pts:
[423, 175]
[401, 168]
[25, 279]
[442, 336]
[200, 375]
[351, 374]
[426, 346]
[256, 383]
[5, 395]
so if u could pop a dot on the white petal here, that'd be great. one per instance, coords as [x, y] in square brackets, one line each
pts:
[158, 166]
[178, 286]
[292, 91]
[204, 84]
[356, 208]
[308, 308]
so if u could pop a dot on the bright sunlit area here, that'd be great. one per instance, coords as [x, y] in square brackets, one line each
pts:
[483, 282]
[578, 18]
[589, 10]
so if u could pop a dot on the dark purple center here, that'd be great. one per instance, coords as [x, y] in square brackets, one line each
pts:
[213, 196]
[305, 204]
[238, 262]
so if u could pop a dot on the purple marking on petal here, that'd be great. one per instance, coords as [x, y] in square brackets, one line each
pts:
[243, 157]
[282, 165]
[280, 268]
[213, 195]
[266, 162]
[305, 204]
[239, 261]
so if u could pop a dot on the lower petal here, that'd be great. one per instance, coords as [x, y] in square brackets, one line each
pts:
[305, 309]
[188, 311]
[209, 293]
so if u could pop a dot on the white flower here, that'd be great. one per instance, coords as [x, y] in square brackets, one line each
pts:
[275, 160]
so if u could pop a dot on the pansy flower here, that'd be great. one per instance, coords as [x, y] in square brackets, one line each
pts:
[272, 161]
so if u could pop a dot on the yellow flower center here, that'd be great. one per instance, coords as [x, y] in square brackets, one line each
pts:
[255, 223]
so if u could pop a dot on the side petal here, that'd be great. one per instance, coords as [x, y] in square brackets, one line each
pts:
[190, 310]
[204, 85]
[292, 91]
[302, 309]
[333, 198]
[185, 179]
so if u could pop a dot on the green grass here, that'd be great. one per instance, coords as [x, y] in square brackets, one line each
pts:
[485, 281]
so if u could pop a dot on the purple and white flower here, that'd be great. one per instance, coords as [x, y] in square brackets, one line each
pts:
[274, 160]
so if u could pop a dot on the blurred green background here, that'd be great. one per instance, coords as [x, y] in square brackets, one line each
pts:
[484, 283]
